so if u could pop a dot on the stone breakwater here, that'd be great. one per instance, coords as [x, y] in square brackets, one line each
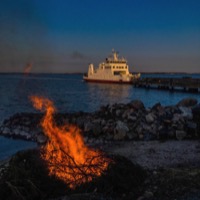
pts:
[117, 122]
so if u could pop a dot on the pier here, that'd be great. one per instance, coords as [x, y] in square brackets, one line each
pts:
[186, 84]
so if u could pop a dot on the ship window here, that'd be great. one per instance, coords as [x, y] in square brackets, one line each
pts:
[117, 73]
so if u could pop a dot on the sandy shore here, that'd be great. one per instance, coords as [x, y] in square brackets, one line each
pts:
[156, 154]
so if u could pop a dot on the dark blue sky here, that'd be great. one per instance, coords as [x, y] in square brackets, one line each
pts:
[66, 35]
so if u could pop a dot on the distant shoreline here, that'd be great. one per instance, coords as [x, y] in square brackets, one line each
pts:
[80, 73]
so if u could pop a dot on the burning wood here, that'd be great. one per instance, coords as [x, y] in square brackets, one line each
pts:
[67, 157]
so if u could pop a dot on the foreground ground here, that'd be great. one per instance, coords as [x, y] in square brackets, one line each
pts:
[156, 154]
[172, 167]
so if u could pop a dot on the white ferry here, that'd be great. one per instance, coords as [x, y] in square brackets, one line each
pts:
[113, 70]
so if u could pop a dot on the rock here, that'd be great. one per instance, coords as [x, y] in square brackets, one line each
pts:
[85, 138]
[154, 129]
[171, 134]
[146, 127]
[148, 136]
[109, 136]
[88, 126]
[156, 107]
[131, 135]
[25, 134]
[186, 112]
[122, 121]
[41, 139]
[139, 129]
[80, 122]
[180, 126]
[163, 133]
[161, 112]
[148, 195]
[5, 131]
[187, 102]
[96, 129]
[103, 122]
[167, 122]
[180, 135]
[141, 136]
[191, 125]
[119, 135]
[120, 130]
[121, 127]
[177, 118]
[132, 118]
[149, 118]
[118, 112]
[196, 110]
[137, 104]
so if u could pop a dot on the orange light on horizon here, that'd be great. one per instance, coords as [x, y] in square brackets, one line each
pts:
[28, 68]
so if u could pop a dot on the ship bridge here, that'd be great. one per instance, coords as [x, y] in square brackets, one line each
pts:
[115, 58]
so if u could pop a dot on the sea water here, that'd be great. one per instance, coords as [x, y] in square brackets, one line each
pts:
[70, 94]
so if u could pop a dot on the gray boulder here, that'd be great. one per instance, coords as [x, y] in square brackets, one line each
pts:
[187, 102]
[186, 112]
[41, 139]
[88, 126]
[137, 104]
[120, 130]
[149, 118]
[196, 110]
[180, 135]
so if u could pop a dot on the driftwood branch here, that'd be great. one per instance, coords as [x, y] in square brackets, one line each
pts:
[78, 173]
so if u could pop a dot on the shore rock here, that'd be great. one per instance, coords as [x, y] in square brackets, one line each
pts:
[130, 121]
[120, 131]
[186, 112]
[180, 135]
[187, 102]
[149, 118]
[137, 104]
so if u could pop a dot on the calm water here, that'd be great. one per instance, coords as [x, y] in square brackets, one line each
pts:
[71, 94]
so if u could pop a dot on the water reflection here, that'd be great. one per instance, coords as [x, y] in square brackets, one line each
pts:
[108, 93]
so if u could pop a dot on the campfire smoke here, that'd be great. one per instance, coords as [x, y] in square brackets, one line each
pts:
[66, 155]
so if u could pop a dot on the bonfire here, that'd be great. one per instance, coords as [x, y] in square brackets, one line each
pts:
[66, 155]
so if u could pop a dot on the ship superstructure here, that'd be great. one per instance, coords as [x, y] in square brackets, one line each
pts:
[113, 70]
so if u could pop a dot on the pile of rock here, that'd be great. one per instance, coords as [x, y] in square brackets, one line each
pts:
[134, 121]
[130, 121]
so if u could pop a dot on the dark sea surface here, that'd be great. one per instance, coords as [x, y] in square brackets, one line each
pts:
[71, 94]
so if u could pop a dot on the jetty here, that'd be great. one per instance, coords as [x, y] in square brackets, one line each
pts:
[185, 84]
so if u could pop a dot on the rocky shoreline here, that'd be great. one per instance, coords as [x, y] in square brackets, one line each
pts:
[118, 122]
[162, 140]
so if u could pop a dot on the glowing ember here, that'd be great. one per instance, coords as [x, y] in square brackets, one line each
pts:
[67, 157]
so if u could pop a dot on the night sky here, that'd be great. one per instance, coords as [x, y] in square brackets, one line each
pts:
[66, 35]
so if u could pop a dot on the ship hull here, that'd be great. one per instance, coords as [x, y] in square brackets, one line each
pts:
[107, 81]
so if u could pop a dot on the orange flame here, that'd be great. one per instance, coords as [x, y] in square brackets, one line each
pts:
[68, 158]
